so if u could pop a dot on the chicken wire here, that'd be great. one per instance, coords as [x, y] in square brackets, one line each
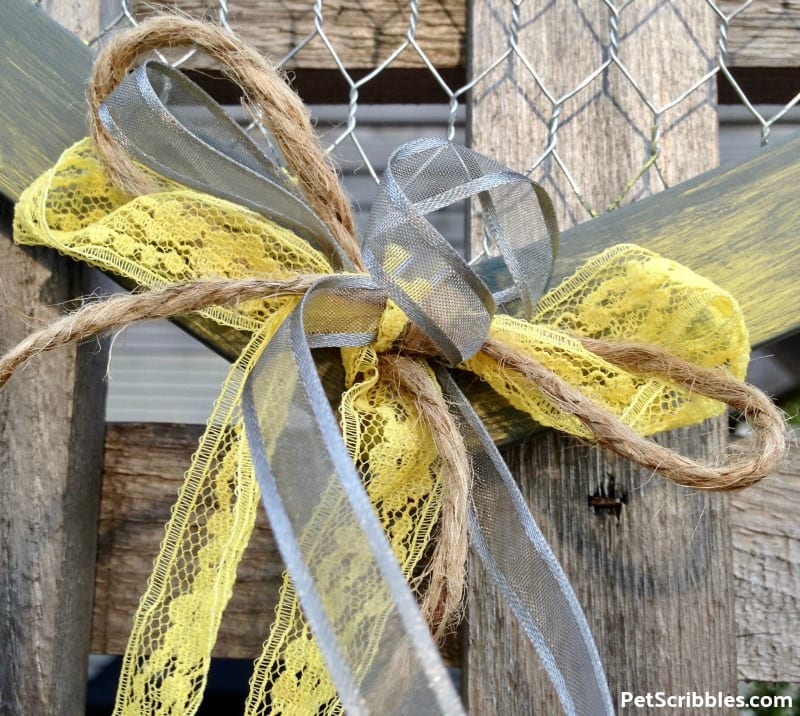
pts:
[360, 135]
[325, 40]
[343, 130]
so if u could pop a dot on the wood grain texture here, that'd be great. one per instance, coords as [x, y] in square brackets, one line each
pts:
[607, 118]
[145, 463]
[80, 17]
[736, 225]
[51, 447]
[364, 34]
[144, 468]
[764, 35]
[42, 93]
[657, 583]
[691, 557]
[766, 561]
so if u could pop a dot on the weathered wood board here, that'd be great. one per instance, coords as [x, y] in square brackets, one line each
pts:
[84, 18]
[23, 154]
[765, 522]
[765, 34]
[51, 442]
[144, 468]
[656, 582]
[737, 225]
[364, 34]
[42, 93]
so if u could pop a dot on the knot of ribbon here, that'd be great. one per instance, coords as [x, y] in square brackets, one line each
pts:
[390, 334]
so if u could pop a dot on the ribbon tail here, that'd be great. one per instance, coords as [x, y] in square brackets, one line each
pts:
[375, 644]
[516, 555]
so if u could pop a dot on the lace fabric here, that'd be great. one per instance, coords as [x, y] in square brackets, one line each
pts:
[177, 235]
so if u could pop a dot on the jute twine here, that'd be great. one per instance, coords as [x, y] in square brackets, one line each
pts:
[265, 90]
[287, 119]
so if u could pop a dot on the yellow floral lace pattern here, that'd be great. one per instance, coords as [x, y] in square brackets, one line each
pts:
[177, 235]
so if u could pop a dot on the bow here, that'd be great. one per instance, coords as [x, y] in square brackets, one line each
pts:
[353, 502]
[285, 405]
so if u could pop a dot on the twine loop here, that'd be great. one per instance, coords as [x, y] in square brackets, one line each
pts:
[265, 90]
[403, 345]
[287, 119]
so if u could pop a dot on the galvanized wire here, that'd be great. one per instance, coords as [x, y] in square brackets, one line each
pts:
[127, 12]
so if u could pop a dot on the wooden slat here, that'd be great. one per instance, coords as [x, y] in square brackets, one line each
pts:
[765, 35]
[42, 93]
[144, 468]
[51, 449]
[765, 522]
[81, 17]
[363, 33]
[737, 225]
[39, 103]
[656, 582]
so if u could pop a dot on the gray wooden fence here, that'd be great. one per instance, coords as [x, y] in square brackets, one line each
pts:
[683, 592]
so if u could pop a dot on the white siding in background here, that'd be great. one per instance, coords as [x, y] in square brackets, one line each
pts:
[159, 374]
[740, 136]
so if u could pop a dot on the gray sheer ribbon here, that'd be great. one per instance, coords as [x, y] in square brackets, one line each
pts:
[423, 274]
[169, 124]
[317, 506]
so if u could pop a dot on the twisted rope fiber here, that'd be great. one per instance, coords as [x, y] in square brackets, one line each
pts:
[287, 119]
[744, 469]
[117, 312]
[442, 603]
[279, 109]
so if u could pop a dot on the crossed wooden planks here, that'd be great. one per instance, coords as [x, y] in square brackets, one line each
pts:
[737, 225]
[716, 223]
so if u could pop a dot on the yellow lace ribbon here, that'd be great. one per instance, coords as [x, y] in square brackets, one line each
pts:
[179, 235]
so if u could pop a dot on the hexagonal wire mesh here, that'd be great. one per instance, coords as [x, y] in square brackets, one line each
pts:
[360, 41]
[344, 49]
